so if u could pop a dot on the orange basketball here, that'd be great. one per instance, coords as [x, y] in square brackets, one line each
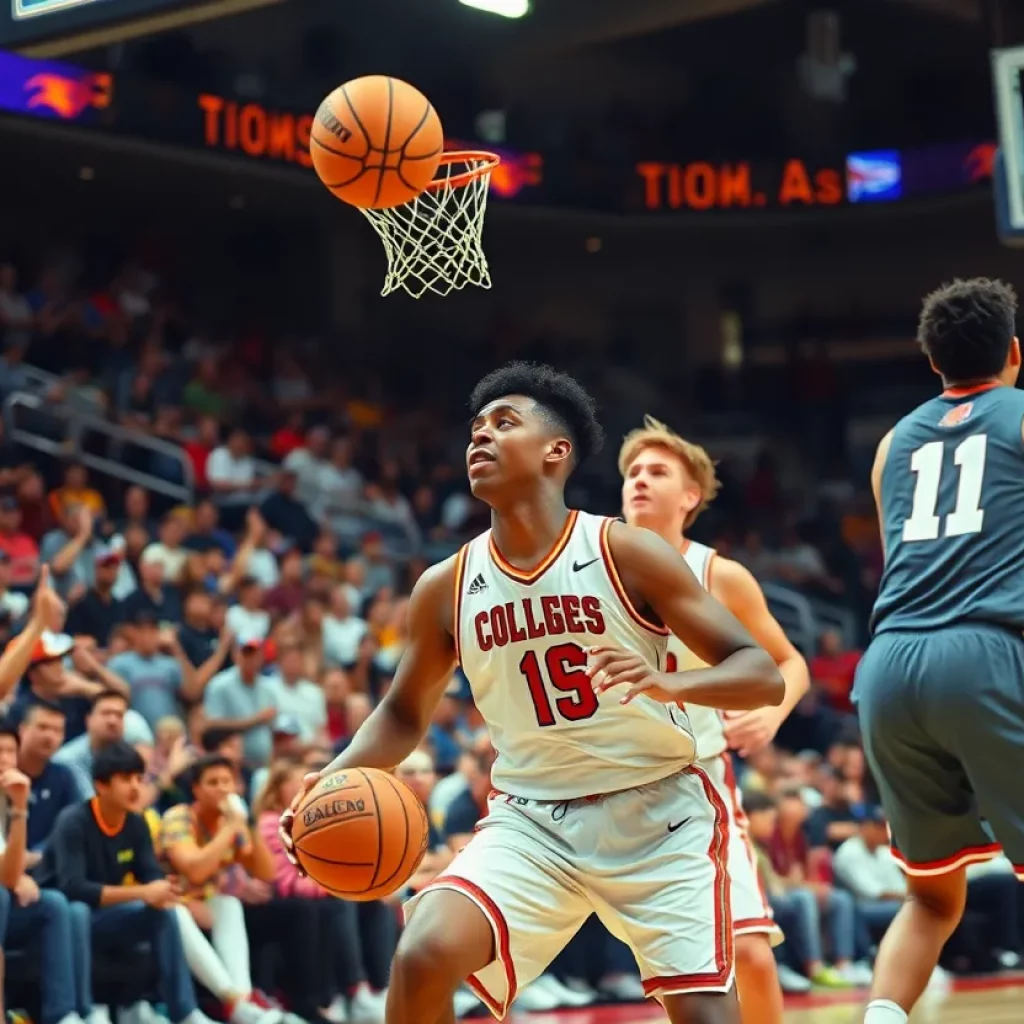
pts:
[360, 833]
[376, 142]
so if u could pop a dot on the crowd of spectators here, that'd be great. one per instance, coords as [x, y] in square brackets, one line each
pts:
[174, 666]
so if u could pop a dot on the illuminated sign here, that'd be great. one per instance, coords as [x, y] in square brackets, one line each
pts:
[44, 88]
[737, 186]
[254, 131]
[874, 177]
[34, 8]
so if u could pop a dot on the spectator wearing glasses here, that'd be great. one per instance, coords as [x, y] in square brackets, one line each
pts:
[29, 914]
[101, 854]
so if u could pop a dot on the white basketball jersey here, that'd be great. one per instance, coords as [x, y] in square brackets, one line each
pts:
[705, 722]
[522, 639]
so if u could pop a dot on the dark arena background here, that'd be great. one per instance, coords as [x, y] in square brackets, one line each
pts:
[723, 213]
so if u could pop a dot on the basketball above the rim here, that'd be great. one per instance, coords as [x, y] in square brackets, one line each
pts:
[376, 142]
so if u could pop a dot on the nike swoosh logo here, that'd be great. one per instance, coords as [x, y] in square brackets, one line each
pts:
[679, 825]
[577, 566]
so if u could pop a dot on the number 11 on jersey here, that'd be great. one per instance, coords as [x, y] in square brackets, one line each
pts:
[967, 516]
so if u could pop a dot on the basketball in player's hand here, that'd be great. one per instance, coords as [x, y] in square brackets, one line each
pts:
[360, 833]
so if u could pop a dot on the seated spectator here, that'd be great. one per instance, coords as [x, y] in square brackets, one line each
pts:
[136, 511]
[47, 681]
[833, 669]
[417, 772]
[206, 535]
[834, 821]
[242, 699]
[199, 841]
[110, 720]
[343, 630]
[286, 598]
[53, 785]
[297, 696]
[790, 857]
[285, 513]
[168, 550]
[29, 914]
[444, 732]
[470, 806]
[158, 671]
[344, 956]
[308, 465]
[249, 617]
[231, 474]
[198, 635]
[99, 610]
[76, 492]
[21, 551]
[153, 595]
[101, 854]
[864, 864]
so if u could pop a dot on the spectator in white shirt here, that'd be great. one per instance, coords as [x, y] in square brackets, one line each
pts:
[309, 465]
[341, 486]
[298, 698]
[248, 617]
[343, 631]
[864, 864]
[231, 472]
[168, 550]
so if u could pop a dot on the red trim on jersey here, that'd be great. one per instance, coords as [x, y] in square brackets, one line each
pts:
[756, 926]
[976, 390]
[742, 824]
[502, 941]
[718, 851]
[616, 581]
[969, 855]
[460, 571]
[529, 576]
[1018, 870]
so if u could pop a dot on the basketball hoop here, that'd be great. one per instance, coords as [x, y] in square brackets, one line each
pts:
[433, 244]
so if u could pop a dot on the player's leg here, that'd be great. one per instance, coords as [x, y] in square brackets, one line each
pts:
[495, 918]
[902, 683]
[757, 977]
[666, 892]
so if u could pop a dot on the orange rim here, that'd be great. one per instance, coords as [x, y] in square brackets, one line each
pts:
[486, 163]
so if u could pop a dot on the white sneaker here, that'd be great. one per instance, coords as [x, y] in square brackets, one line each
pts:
[71, 1018]
[337, 1012]
[566, 996]
[98, 1015]
[131, 1014]
[367, 1006]
[246, 1012]
[792, 983]
[623, 988]
[197, 1017]
[535, 998]
[859, 974]
[579, 986]
[1008, 960]
[465, 1002]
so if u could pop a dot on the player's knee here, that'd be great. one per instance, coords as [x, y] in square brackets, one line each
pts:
[755, 962]
[425, 961]
[942, 896]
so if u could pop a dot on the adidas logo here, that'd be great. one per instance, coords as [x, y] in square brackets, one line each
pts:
[478, 584]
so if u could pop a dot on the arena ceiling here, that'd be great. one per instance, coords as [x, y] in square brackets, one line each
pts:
[557, 24]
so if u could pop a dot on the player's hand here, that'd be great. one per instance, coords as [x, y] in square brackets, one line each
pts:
[613, 666]
[747, 732]
[47, 607]
[284, 829]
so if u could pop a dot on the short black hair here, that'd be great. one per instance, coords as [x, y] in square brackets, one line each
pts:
[564, 399]
[116, 758]
[108, 694]
[756, 801]
[966, 328]
[6, 729]
[39, 704]
[203, 764]
[214, 736]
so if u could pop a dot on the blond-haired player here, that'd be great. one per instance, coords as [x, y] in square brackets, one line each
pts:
[667, 483]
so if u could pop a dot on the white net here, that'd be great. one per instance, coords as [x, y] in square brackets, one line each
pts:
[433, 244]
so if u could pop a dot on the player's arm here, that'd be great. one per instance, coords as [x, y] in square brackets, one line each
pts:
[877, 469]
[400, 721]
[743, 676]
[734, 585]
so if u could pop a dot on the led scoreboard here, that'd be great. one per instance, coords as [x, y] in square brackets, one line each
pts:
[55, 27]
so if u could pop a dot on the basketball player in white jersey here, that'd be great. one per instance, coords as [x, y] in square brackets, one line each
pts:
[597, 804]
[667, 483]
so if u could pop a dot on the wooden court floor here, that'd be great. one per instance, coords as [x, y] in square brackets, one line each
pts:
[996, 1000]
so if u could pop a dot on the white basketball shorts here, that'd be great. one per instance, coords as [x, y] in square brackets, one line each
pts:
[650, 862]
[751, 912]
